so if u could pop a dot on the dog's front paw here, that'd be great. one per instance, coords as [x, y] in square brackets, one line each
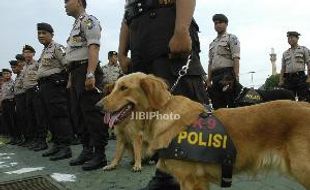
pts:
[137, 168]
[109, 167]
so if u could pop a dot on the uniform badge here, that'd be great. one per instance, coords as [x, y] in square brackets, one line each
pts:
[62, 49]
[89, 23]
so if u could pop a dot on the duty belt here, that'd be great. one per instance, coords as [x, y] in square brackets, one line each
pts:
[222, 70]
[9, 100]
[135, 8]
[296, 74]
[75, 64]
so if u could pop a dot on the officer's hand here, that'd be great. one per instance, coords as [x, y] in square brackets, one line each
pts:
[124, 62]
[308, 80]
[180, 44]
[90, 83]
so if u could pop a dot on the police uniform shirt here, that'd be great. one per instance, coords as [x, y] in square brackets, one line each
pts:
[7, 90]
[52, 60]
[111, 72]
[30, 75]
[294, 59]
[18, 84]
[223, 50]
[86, 31]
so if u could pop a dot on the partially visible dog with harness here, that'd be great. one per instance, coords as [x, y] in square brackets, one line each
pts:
[274, 137]
[238, 95]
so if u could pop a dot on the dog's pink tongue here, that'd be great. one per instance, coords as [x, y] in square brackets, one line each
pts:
[113, 119]
[107, 117]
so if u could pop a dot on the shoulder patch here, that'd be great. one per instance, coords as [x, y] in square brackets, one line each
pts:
[234, 39]
[89, 23]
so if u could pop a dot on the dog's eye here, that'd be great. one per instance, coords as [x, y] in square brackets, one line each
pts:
[122, 88]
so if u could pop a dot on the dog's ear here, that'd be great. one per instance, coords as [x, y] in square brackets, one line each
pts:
[156, 91]
[108, 88]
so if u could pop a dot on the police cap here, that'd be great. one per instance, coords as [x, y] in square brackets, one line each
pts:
[45, 26]
[28, 47]
[6, 70]
[293, 33]
[19, 57]
[112, 53]
[220, 17]
[13, 62]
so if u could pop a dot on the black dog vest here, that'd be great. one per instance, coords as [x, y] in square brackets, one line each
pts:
[207, 141]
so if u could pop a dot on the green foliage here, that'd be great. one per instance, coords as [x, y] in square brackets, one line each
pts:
[272, 82]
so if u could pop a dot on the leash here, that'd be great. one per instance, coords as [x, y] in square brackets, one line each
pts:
[239, 95]
[182, 72]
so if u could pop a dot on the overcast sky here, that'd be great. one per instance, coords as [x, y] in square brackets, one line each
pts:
[259, 25]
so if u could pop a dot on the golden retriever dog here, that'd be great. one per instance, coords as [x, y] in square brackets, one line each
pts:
[273, 135]
[129, 136]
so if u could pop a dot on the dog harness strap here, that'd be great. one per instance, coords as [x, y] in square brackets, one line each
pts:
[227, 171]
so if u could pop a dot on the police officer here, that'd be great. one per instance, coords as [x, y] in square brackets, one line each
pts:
[36, 126]
[165, 52]
[111, 72]
[294, 61]
[16, 68]
[86, 83]
[224, 56]
[2, 127]
[8, 105]
[20, 95]
[52, 81]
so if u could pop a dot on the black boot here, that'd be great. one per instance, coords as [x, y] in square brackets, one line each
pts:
[63, 153]
[25, 143]
[32, 144]
[19, 141]
[86, 155]
[11, 141]
[98, 161]
[51, 151]
[40, 146]
[162, 181]
[22, 141]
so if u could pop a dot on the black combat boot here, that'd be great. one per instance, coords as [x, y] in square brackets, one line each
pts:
[13, 141]
[162, 181]
[32, 145]
[22, 141]
[18, 140]
[98, 161]
[40, 146]
[10, 141]
[86, 155]
[63, 153]
[51, 151]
